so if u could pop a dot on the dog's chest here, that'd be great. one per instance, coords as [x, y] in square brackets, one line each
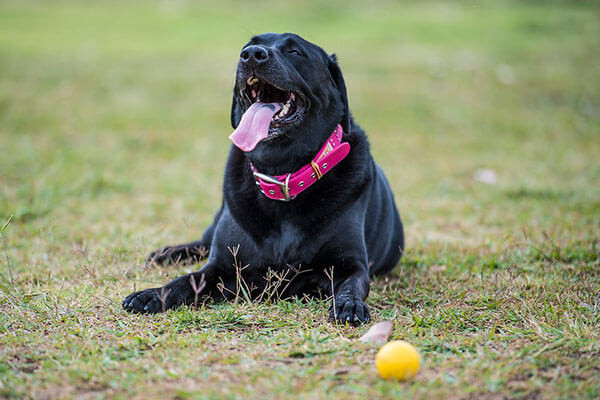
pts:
[286, 245]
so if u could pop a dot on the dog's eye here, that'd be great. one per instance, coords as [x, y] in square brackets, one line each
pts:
[294, 52]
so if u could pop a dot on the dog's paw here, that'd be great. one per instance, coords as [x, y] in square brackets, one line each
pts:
[165, 256]
[144, 301]
[183, 254]
[349, 309]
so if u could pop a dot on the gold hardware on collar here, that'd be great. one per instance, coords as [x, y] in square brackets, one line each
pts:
[315, 168]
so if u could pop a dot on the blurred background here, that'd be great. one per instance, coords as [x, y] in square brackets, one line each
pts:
[114, 115]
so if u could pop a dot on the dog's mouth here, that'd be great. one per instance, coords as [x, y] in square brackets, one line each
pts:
[269, 111]
[260, 91]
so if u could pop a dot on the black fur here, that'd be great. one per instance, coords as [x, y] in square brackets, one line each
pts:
[347, 220]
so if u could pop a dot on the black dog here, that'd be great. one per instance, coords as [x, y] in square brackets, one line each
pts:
[337, 224]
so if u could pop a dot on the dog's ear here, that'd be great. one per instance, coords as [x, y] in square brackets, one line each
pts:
[236, 110]
[338, 80]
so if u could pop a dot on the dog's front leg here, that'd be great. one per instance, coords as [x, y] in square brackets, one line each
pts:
[187, 289]
[348, 305]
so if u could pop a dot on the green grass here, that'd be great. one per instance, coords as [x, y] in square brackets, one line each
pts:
[113, 136]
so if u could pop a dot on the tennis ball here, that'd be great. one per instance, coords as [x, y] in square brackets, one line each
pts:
[398, 359]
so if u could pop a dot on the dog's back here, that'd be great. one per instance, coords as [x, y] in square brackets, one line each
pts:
[384, 233]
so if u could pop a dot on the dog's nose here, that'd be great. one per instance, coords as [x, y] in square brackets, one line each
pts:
[254, 54]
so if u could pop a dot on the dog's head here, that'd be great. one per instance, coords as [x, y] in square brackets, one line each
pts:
[287, 90]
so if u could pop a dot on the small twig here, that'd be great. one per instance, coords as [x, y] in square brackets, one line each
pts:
[297, 271]
[267, 287]
[273, 282]
[8, 262]
[7, 223]
[525, 234]
[197, 287]
[163, 298]
[234, 251]
[240, 283]
[57, 301]
[195, 254]
[330, 276]
[222, 288]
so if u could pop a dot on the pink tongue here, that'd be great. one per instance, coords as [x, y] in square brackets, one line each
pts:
[254, 125]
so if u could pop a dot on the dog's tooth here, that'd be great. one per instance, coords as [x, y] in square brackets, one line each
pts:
[292, 96]
[252, 80]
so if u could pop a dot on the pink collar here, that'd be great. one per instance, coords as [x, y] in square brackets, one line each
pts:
[287, 187]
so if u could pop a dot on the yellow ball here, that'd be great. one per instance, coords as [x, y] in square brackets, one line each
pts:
[398, 359]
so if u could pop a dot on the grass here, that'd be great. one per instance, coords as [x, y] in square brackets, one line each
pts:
[113, 136]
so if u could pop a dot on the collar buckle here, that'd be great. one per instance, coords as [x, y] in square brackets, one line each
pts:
[285, 188]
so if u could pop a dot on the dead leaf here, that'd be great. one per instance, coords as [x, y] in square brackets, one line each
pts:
[378, 333]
